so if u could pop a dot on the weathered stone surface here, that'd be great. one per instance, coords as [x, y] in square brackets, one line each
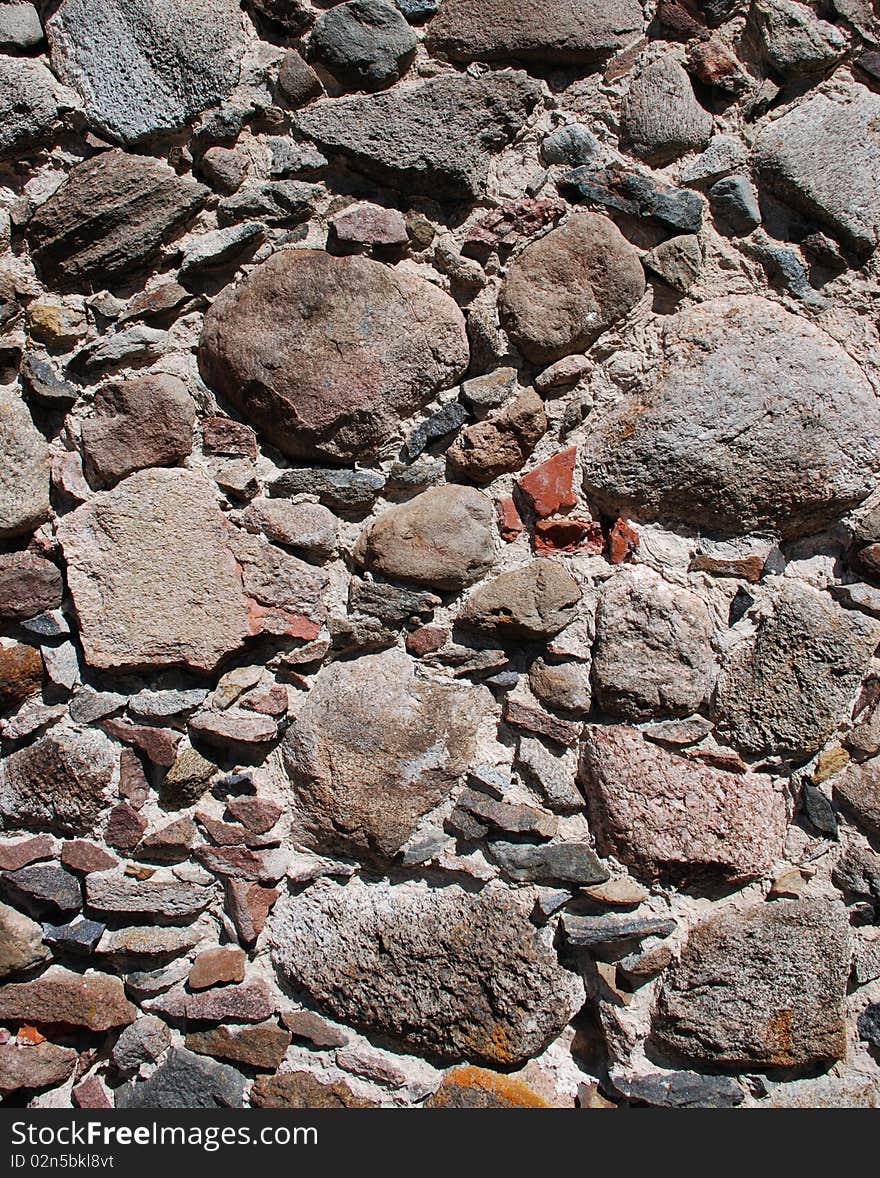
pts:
[756, 419]
[21, 675]
[564, 686]
[251, 1002]
[144, 68]
[43, 889]
[559, 31]
[58, 783]
[786, 689]
[135, 424]
[794, 41]
[661, 117]
[682, 1090]
[110, 891]
[110, 217]
[297, 80]
[365, 44]
[142, 1041]
[532, 602]
[20, 852]
[677, 261]
[448, 972]
[153, 575]
[307, 528]
[360, 346]
[24, 469]
[262, 1046]
[501, 443]
[443, 538]
[470, 1087]
[560, 863]
[216, 967]
[665, 816]
[21, 943]
[368, 224]
[570, 286]
[395, 136]
[825, 1092]
[303, 1090]
[761, 988]
[857, 789]
[31, 104]
[20, 28]
[653, 654]
[93, 1000]
[822, 157]
[374, 749]
[42, 1065]
[186, 1080]
[29, 585]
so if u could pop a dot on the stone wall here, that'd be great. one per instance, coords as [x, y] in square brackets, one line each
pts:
[440, 571]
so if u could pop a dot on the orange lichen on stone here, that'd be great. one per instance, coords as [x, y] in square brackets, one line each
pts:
[470, 1087]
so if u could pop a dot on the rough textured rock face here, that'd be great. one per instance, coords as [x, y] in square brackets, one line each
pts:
[569, 287]
[554, 32]
[761, 988]
[755, 419]
[402, 943]
[24, 478]
[653, 654]
[786, 690]
[441, 538]
[143, 68]
[31, 102]
[125, 552]
[110, 216]
[374, 749]
[823, 158]
[361, 346]
[664, 816]
[392, 136]
[440, 571]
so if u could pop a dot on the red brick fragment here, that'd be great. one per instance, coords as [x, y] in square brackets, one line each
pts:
[549, 487]
[509, 520]
[569, 535]
[622, 540]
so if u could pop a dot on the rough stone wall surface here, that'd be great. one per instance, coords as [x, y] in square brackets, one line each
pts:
[439, 554]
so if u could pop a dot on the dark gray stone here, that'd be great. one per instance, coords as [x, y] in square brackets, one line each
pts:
[661, 117]
[275, 202]
[637, 194]
[43, 889]
[439, 425]
[574, 145]
[682, 1090]
[588, 932]
[349, 492]
[186, 1080]
[573, 863]
[78, 936]
[364, 44]
[735, 204]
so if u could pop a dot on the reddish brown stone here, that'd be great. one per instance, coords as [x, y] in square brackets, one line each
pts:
[513, 222]
[231, 834]
[501, 443]
[249, 905]
[509, 520]
[426, 640]
[263, 1046]
[21, 675]
[250, 1002]
[170, 843]
[282, 623]
[368, 224]
[157, 744]
[83, 856]
[302, 1090]
[222, 435]
[125, 827]
[43, 1066]
[622, 540]
[749, 568]
[549, 488]
[270, 701]
[621, 64]
[238, 862]
[91, 1093]
[133, 785]
[714, 63]
[214, 967]
[569, 535]
[25, 851]
[29, 585]
[93, 1000]
[534, 720]
[257, 814]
